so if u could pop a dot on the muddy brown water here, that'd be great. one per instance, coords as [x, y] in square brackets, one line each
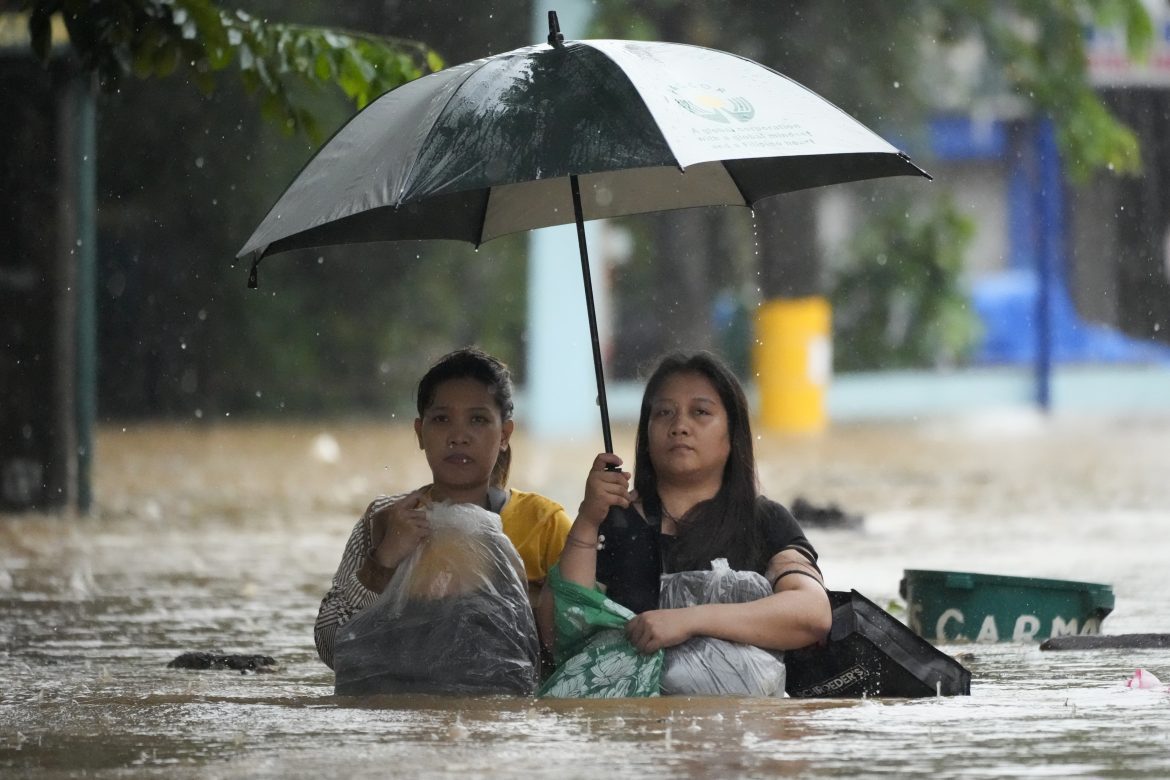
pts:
[224, 538]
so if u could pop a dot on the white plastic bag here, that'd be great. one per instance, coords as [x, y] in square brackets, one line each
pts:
[454, 619]
[705, 666]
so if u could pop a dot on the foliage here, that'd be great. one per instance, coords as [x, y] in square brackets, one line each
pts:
[1039, 47]
[1034, 51]
[891, 65]
[154, 38]
[341, 330]
[897, 298]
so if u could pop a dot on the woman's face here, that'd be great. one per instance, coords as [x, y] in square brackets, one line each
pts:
[462, 434]
[688, 430]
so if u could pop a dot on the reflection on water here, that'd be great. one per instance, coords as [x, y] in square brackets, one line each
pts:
[224, 539]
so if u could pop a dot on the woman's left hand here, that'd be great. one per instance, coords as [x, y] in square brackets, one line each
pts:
[660, 628]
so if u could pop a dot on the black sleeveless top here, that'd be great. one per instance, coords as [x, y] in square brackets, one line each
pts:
[633, 551]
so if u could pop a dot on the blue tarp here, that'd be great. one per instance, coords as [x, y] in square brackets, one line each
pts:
[1006, 305]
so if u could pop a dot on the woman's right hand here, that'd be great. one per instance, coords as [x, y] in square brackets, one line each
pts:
[406, 527]
[604, 489]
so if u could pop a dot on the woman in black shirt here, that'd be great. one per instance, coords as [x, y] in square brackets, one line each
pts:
[695, 500]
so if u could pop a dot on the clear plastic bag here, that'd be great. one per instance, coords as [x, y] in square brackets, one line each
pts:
[706, 666]
[454, 619]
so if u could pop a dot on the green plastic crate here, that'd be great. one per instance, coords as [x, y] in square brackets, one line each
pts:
[957, 606]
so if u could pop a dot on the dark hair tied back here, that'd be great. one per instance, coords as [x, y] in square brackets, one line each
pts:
[473, 363]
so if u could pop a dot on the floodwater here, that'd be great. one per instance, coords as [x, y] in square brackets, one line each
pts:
[223, 538]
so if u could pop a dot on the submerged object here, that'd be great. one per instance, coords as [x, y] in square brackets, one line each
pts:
[869, 652]
[811, 515]
[1107, 642]
[240, 663]
[957, 606]
[1145, 680]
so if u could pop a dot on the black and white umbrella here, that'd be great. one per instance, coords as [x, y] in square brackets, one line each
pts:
[567, 132]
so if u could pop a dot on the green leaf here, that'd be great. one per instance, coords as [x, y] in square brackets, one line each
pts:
[166, 58]
[324, 67]
[247, 58]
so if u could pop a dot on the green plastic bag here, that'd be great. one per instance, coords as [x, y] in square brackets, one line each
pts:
[594, 658]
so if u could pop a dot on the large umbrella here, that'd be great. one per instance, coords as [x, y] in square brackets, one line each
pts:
[567, 132]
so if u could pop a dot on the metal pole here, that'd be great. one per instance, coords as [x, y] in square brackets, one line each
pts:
[1045, 183]
[86, 401]
[559, 393]
[587, 277]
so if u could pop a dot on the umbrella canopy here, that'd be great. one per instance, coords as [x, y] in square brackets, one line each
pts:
[570, 131]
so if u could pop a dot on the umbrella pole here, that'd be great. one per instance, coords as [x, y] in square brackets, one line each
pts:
[587, 277]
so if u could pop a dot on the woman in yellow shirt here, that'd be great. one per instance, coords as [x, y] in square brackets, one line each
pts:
[464, 426]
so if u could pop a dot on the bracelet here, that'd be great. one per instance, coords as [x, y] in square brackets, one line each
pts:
[597, 545]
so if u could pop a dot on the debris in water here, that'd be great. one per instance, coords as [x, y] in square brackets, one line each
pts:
[457, 730]
[1146, 681]
[1106, 642]
[826, 516]
[241, 663]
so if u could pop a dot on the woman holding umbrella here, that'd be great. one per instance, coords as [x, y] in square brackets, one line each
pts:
[695, 500]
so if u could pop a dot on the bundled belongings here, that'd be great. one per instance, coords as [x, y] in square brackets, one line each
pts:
[706, 666]
[594, 658]
[454, 619]
[869, 652]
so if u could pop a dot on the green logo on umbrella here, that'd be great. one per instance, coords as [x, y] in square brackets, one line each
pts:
[714, 105]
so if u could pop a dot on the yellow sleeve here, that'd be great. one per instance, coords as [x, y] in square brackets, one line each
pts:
[537, 527]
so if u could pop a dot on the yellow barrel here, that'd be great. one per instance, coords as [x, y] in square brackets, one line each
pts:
[793, 360]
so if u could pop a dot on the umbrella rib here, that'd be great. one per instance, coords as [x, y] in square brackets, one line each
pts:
[735, 182]
[487, 201]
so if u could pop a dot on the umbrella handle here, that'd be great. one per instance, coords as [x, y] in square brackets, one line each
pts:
[587, 278]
